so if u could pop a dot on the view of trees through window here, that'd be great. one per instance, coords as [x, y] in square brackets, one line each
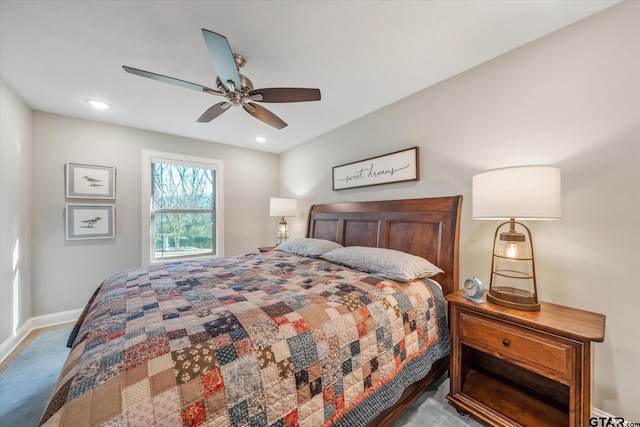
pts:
[184, 210]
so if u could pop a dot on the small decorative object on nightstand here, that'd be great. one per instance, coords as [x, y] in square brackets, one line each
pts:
[474, 290]
[522, 368]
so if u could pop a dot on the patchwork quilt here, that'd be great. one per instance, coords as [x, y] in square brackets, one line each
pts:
[268, 339]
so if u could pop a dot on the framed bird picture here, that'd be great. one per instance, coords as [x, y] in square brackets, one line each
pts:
[90, 181]
[85, 221]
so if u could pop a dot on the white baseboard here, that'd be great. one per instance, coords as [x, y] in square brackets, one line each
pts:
[598, 413]
[33, 323]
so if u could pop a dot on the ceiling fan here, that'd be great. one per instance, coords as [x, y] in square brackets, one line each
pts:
[234, 86]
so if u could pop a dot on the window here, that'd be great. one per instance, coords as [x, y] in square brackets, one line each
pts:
[183, 217]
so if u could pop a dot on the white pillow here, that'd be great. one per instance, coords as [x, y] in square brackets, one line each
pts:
[388, 263]
[305, 246]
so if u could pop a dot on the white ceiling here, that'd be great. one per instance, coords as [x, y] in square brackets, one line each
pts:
[362, 55]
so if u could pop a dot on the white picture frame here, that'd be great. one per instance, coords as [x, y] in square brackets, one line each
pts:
[87, 221]
[84, 181]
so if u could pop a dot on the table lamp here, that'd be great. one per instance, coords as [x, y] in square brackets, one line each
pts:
[279, 206]
[525, 193]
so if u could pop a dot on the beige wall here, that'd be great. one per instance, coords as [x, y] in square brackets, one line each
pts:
[65, 273]
[15, 212]
[569, 99]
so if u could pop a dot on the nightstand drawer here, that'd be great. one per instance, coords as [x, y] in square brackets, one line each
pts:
[545, 356]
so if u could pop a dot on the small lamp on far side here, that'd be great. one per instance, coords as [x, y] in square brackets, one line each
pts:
[526, 193]
[282, 207]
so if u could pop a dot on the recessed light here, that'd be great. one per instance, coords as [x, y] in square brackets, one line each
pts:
[261, 139]
[98, 105]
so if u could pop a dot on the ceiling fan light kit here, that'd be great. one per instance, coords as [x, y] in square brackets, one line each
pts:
[235, 87]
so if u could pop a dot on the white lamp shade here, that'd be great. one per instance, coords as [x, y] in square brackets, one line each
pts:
[522, 192]
[279, 206]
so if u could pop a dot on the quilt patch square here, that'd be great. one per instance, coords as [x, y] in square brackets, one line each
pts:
[303, 350]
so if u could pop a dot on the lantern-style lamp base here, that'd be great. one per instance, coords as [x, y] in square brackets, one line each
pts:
[283, 231]
[513, 277]
[508, 299]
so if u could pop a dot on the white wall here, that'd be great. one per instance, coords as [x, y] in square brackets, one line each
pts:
[570, 99]
[15, 212]
[65, 273]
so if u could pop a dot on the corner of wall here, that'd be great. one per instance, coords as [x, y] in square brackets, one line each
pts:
[15, 212]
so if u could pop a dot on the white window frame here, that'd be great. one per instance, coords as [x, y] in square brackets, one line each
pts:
[146, 208]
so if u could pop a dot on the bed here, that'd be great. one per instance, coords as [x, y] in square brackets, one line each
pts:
[282, 338]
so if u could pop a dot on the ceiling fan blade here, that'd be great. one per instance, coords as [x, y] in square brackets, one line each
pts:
[170, 80]
[286, 94]
[261, 113]
[214, 112]
[222, 58]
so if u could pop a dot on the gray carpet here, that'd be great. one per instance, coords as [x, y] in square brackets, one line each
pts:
[432, 408]
[27, 383]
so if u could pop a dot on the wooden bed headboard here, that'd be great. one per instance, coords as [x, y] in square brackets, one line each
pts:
[429, 228]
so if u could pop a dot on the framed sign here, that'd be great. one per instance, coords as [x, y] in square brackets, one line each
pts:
[90, 222]
[393, 167]
[90, 181]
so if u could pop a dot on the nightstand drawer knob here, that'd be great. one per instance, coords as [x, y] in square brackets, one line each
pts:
[505, 343]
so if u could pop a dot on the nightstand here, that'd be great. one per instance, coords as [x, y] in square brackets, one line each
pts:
[266, 248]
[518, 368]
